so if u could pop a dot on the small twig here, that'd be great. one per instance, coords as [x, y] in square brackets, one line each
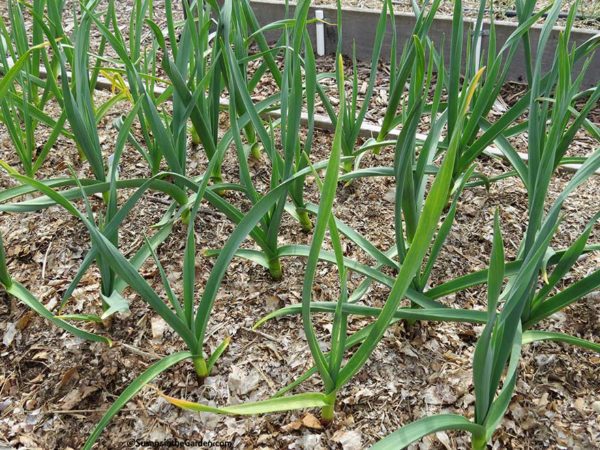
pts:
[268, 380]
[215, 329]
[133, 247]
[84, 411]
[210, 212]
[139, 352]
[45, 260]
[159, 200]
[265, 335]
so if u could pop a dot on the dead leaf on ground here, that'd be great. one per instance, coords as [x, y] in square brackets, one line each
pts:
[68, 377]
[292, 426]
[349, 440]
[310, 421]
[76, 396]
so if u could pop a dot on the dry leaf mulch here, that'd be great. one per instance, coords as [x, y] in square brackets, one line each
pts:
[53, 387]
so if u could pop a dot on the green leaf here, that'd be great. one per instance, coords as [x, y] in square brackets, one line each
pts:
[416, 430]
[432, 210]
[292, 402]
[498, 408]
[116, 303]
[118, 263]
[4, 275]
[325, 210]
[19, 291]
[15, 70]
[565, 263]
[436, 314]
[564, 298]
[483, 359]
[81, 317]
[536, 336]
[131, 390]
[217, 353]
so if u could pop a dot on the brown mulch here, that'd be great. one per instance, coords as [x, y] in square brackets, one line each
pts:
[54, 387]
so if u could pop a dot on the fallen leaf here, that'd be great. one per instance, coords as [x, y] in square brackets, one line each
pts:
[444, 439]
[311, 441]
[292, 426]
[390, 196]
[40, 356]
[241, 383]
[24, 320]
[27, 442]
[9, 334]
[272, 302]
[76, 396]
[70, 376]
[310, 421]
[349, 440]
[439, 395]
[158, 327]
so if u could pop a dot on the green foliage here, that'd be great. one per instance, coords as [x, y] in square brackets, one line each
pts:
[177, 83]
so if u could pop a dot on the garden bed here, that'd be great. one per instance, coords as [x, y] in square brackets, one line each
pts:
[52, 398]
[55, 387]
[588, 17]
[360, 24]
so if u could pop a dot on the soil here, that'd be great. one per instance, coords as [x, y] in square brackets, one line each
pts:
[54, 387]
